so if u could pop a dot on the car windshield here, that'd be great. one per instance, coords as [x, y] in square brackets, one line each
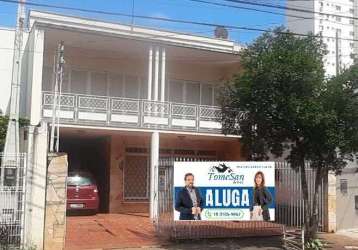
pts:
[79, 180]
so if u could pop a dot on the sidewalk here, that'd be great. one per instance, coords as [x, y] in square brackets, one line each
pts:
[341, 240]
[250, 243]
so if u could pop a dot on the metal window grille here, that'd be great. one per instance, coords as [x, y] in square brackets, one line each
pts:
[136, 174]
[343, 186]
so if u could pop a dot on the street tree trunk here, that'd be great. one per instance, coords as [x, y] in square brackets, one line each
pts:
[305, 199]
[314, 216]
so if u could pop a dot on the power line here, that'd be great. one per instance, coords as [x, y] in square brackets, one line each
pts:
[171, 20]
[288, 8]
[247, 8]
[266, 11]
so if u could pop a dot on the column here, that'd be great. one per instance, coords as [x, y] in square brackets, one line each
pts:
[331, 203]
[150, 71]
[35, 76]
[162, 79]
[154, 161]
[36, 188]
[156, 74]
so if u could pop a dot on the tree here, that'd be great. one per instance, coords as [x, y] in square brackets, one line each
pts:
[4, 120]
[290, 107]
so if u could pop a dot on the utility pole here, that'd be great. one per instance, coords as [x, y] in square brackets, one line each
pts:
[338, 63]
[56, 106]
[11, 150]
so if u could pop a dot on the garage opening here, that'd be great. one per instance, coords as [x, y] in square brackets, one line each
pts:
[90, 155]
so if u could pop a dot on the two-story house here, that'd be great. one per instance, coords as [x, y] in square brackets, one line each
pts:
[130, 96]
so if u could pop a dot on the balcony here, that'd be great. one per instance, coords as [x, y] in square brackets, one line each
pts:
[78, 109]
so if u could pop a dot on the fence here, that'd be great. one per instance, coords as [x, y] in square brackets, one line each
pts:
[289, 210]
[12, 200]
[138, 113]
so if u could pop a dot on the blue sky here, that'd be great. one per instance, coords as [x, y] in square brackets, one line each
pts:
[176, 9]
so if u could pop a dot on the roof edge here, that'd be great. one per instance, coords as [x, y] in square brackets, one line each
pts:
[136, 32]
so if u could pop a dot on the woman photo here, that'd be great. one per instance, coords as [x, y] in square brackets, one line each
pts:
[262, 199]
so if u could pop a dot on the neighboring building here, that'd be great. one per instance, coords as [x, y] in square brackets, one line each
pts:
[7, 52]
[347, 198]
[325, 21]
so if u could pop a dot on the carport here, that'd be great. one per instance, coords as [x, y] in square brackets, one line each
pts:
[89, 153]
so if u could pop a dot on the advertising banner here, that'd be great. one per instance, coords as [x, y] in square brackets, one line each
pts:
[239, 191]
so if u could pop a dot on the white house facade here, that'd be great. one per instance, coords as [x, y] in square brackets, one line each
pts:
[130, 96]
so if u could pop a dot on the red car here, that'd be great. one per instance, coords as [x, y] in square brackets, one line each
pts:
[82, 192]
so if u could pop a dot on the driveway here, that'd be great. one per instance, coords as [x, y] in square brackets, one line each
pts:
[109, 231]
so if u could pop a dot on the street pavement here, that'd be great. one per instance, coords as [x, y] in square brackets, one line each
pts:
[269, 243]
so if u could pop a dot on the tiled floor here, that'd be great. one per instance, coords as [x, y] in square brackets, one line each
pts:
[108, 231]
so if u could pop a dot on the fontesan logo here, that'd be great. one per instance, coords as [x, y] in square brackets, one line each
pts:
[223, 172]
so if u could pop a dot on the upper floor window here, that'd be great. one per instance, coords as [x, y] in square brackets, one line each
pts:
[344, 186]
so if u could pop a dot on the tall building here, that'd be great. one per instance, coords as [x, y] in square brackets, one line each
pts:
[331, 19]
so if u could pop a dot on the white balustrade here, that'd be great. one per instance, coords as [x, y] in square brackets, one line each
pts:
[126, 112]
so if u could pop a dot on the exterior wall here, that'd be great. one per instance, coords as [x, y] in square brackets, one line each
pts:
[55, 219]
[36, 187]
[6, 54]
[347, 213]
[300, 25]
[133, 69]
[226, 150]
[34, 76]
[117, 156]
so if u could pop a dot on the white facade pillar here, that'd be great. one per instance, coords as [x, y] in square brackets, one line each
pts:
[154, 162]
[36, 187]
[156, 74]
[162, 79]
[35, 76]
[150, 73]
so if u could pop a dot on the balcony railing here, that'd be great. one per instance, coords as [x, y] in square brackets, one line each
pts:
[132, 113]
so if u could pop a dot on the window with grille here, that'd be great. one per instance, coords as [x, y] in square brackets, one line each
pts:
[136, 173]
[47, 74]
[344, 186]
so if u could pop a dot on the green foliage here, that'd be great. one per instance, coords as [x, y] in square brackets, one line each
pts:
[314, 244]
[291, 108]
[31, 247]
[3, 128]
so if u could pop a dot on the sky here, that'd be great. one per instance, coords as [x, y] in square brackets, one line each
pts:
[174, 9]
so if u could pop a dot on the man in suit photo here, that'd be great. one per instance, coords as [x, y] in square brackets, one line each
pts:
[188, 200]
